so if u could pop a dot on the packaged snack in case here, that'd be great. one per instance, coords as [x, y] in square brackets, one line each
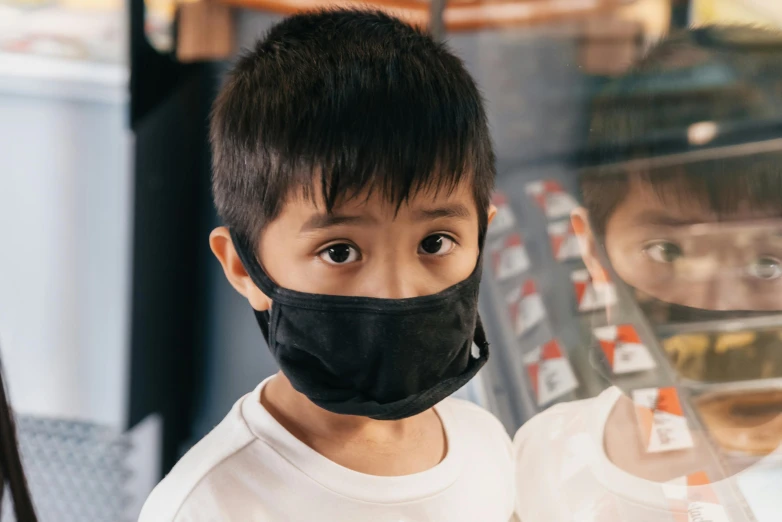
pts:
[592, 294]
[564, 241]
[661, 420]
[552, 198]
[509, 257]
[549, 372]
[716, 357]
[525, 307]
[624, 350]
[693, 498]
[504, 220]
[743, 422]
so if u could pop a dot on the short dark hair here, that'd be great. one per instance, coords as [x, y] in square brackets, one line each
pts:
[337, 102]
[720, 186]
[645, 103]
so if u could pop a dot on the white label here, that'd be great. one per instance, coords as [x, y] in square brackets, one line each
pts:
[669, 432]
[662, 423]
[564, 242]
[632, 357]
[535, 188]
[706, 512]
[646, 398]
[676, 489]
[512, 261]
[570, 249]
[556, 378]
[597, 296]
[503, 221]
[530, 312]
[559, 204]
[623, 348]
[549, 372]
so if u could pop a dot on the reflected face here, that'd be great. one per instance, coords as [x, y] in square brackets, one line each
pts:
[685, 254]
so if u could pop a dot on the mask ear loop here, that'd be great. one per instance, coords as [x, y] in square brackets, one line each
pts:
[245, 251]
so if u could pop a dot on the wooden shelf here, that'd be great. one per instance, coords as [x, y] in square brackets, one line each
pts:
[206, 26]
[459, 15]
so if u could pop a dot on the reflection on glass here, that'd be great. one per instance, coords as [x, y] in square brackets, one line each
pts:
[686, 216]
[702, 241]
[726, 356]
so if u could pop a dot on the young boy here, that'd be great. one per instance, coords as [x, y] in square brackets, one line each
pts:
[353, 169]
[697, 233]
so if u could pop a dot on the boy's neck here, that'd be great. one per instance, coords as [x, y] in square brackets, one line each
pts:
[370, 446]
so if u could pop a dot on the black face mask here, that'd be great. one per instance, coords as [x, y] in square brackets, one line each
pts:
[381, 358]
[660, 311]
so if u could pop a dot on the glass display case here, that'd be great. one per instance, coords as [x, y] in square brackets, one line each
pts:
[636, 248]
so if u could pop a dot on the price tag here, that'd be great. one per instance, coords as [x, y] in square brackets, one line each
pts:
[552, 198]
[525, 308]
[549, 372]
[623, 348]
[661, 420]
[592, 295]
[694, 499]
[564, 241]
[706, 512]
[509, 257]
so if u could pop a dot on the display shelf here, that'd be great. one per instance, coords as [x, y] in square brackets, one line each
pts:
[459, 15]
[205, 27]
[575, 329]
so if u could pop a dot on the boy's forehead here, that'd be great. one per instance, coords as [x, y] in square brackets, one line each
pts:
[373, 200]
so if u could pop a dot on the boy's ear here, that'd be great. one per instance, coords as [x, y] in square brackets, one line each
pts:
[223, 249]
[587, 242]
[491, 214]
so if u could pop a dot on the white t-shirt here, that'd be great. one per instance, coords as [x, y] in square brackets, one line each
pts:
[564, 475]
[250, 468]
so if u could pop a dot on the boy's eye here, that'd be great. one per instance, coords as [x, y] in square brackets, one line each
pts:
[340, 254]
[765, 267]
[663, 251]
[436, 245]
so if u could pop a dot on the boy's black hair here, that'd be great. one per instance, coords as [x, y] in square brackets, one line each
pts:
[337, 102]
[737, 73]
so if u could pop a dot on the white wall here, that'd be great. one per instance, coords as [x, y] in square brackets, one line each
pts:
[65, 208]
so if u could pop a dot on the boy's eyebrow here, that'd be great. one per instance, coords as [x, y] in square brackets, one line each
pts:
[457, 210]
[326, 220]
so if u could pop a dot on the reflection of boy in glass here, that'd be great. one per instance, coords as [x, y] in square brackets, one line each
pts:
[701, 234]
[706, 236]
[703, 239]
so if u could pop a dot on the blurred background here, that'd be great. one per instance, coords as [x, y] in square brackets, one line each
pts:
[121, 341]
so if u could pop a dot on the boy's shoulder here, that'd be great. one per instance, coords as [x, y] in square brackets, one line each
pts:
[226, 440]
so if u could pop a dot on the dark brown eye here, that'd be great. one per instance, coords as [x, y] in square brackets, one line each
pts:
[436, 245]
[340, 254]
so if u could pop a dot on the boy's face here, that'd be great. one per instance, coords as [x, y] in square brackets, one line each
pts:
[365, 247]
[682, 253]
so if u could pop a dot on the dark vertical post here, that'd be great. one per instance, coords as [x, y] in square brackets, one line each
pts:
[436, 24]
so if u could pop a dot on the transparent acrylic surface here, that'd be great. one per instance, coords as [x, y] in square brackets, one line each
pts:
[634, 293]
